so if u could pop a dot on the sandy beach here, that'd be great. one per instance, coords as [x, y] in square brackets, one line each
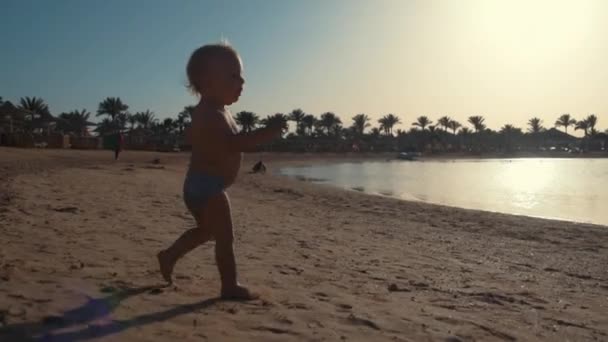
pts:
[79, 235]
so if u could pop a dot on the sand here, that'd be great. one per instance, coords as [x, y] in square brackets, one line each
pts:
[79, 233]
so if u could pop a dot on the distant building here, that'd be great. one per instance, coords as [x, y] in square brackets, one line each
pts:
[556, 138]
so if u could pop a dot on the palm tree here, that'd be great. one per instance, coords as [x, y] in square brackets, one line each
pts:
[387, 122]
[112, 106]
[81, 120]
[565, 121]
[297, 115]
[422, 122]
[168, 126]
[308, 122]
[188, 111]
[454, 126]
[132, 120]
[105, 126]
[38, 111]
[508, 131]
[35, 105]
[121, 121]
[156, 128]
[384, 125]
[465, 131]
[465, 137]
[337, 130]
[247, 120]
[583, 125]
[319, 130]
[74, 122]
[444, 122]
[276, 119]
[591, 122]
[183, 120]
[375, 132]
[360, 122]
[536, 125]
[478, 123]
[145, 119]
[329, 121]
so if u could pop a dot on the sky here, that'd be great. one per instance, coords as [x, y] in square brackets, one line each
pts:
[505, 60]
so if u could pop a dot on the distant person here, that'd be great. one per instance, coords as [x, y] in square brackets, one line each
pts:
[118, 144]
[215, 74]
[259, 167]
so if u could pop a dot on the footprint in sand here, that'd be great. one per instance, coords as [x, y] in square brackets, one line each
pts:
[354, 320]
[284, 320]
[453, 339]
[289, 270]
[77, 266]
[303, 244]
[300, 306]
[315, 324]
[15, 311]
[154, 167]
[275, 330]
[155, 291]
[418, 284]
[396, 288]
[321, 296]
[344, 307]
[72, 210]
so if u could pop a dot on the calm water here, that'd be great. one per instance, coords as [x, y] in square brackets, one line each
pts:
[568, 189]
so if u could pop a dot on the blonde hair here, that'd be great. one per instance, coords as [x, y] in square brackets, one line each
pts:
[199, 60]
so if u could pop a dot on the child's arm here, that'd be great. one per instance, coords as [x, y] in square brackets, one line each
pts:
[241, 142]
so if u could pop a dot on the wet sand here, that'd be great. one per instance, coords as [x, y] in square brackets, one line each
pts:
[79, 235]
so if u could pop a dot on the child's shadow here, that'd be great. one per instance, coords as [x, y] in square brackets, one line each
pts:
[92, 310]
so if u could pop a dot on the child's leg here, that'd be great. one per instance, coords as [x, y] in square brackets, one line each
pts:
[188, 241]
[218, 218]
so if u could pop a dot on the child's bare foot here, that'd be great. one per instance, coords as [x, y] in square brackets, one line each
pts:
[238, 292]
[166, 265]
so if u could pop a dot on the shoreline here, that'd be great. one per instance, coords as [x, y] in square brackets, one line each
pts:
[82, 230]
[336, 160]
[325, 183]
[522, 155]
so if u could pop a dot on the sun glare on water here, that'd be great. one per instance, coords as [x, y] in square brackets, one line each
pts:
[525, 180]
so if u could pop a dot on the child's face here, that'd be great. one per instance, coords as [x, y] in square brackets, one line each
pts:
[225, 83]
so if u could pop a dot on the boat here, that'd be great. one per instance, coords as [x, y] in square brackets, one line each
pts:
[406, 156]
